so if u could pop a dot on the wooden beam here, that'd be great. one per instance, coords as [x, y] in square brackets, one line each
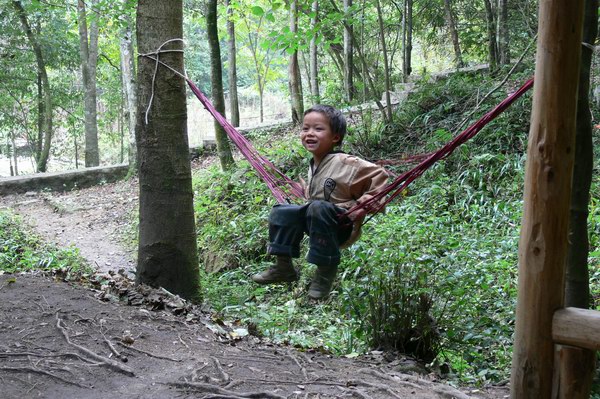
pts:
[577, 327]
[544, 230]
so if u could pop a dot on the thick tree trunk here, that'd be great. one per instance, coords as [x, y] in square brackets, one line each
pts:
[216, 80]
[314, 66]
[491, 28]
[577, 365]
[88, 51]
[386, 69]
[548, 177]
[294, 70]
[407, 39]
[128, 81]
[45, 85]
[167, 253]
[234, 103]
[451, 24]
[503, 33]
[348, 56]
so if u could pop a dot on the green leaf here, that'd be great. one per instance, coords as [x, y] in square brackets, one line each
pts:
[258, 11]
[270, 17]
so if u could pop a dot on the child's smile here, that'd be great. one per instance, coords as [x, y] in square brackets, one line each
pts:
[317, 136]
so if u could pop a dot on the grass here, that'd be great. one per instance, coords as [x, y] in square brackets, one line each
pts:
[21, 250]
[434, 276]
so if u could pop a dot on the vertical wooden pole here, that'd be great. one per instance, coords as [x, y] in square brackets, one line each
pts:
[544, 230]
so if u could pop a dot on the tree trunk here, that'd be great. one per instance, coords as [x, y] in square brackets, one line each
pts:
[407, 39]
[294, 70]
[41, 120]
[491, 28]
[167, 252]
[577, 365]
[216, 81]
[234, 103]
[45, 85]
[548, 177]
[451, 23]
[503, 33]
[128, 81]
[386, 69]
[348, 56]
[314, 66]
[88, 50]
[15, 154]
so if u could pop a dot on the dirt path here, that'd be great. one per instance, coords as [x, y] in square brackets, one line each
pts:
[110, 339]
[93, 220]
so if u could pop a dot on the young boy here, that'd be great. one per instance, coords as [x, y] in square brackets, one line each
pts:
[336, 182]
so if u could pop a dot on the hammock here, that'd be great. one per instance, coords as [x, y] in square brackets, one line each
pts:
[284, 189]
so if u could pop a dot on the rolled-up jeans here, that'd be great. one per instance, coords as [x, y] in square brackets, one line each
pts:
[319, 220]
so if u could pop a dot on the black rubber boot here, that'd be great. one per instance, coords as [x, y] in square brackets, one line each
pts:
[322, 282]
[281, 272]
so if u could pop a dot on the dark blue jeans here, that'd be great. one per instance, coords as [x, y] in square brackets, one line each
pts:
[319, 220]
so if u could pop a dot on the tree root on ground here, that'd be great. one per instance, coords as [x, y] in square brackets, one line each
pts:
[224, 393]
[111, 364]
[148, 353]
[43, 372]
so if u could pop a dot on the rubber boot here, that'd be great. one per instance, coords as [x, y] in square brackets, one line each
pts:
[281, 272]
[320, 287]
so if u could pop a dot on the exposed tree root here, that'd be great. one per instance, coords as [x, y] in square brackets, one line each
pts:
[106, 361]
[295, 360]
[225, 379]
[43, 372]
[224, 393]
[133, 348]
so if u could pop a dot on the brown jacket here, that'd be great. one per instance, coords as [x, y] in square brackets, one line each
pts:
[345, 180]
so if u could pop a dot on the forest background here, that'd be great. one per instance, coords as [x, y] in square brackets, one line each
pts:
[435, 276]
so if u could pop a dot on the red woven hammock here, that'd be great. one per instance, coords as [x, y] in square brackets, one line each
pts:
[283, 188]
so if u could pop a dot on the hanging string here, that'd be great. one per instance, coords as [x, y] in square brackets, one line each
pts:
[157, 61]
[283, 188]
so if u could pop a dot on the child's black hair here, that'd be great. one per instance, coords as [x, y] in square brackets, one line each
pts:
[337, 120]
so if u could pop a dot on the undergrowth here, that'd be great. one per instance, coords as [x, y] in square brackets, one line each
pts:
[22, 250]
[435, 276]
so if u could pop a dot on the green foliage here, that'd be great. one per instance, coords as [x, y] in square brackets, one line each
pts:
[435, 276]
[21, 250]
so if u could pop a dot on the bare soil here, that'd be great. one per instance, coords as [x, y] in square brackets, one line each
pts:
[107, 338]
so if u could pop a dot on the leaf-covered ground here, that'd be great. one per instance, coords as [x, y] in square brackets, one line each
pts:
[104, 337]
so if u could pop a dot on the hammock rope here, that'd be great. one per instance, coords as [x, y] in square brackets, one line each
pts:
[379, 201]
[283, 188]
[286, 190]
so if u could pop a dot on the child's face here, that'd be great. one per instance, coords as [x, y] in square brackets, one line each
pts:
[317, 136]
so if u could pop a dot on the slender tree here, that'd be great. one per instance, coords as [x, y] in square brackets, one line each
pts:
[451, 24]
[88, 50]
[294, 69]
[128, 81]
[234, 102]
[44, 92]
[491, 29]
[407, 34]
[503, 33]
[167, 252]
[216, 80]
[348, 55]
[314, 66]
[388, 98]
[577, 368]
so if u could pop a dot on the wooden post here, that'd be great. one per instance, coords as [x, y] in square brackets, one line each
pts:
[544, 230]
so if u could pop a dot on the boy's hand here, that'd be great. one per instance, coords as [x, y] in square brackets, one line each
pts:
[359, 214]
